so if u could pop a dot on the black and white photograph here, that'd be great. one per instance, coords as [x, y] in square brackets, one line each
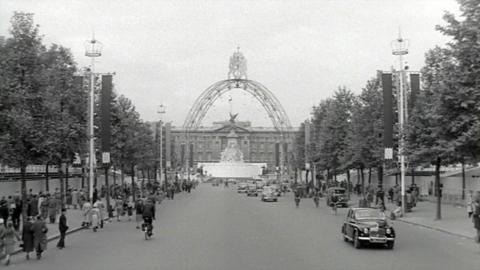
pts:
[239, 134]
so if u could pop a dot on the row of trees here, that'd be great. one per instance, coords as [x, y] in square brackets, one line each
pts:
[44, 112]
[443, 127]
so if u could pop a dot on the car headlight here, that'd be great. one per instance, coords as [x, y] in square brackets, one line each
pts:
[365, 230]
[388, 231]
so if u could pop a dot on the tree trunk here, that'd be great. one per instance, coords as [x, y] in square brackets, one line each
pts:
[133, 182]
[313, 176]
[369, 176]
[463, 179]
[349, 185]
[23, 179]
[122, 175]
[380, 176]
[358, 180]
[83, 177]
[114, 176]
[306, 176]
[328, 177]
[296, 175]
[363, 181]
[47, 176]
[413, 175]
[438, 189]
[62, 185]
[66, 178]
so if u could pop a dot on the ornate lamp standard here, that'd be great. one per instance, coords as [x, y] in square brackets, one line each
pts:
[93, 48]
[400, 48]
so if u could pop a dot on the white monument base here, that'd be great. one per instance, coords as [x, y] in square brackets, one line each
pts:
[233, 169]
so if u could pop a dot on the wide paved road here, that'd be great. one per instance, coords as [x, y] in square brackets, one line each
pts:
[217, 229]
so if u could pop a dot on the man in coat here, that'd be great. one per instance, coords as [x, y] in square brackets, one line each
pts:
[62, 227]
[39, 229]
[52, 209]
[27, 237]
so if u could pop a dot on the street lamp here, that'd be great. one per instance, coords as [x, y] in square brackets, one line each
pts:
[400, 48]
[93, 48]
[160, 111]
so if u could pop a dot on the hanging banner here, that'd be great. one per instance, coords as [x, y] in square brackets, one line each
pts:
[387, 109]
[105, 104]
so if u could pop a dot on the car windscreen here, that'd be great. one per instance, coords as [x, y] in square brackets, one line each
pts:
[369, 214]
[339, 191]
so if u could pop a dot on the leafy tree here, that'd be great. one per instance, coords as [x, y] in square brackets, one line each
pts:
[21, 107]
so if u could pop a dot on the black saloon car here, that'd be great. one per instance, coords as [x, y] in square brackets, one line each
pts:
[368, 225]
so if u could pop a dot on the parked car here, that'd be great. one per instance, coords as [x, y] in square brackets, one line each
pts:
[276, 188]
[252, 190]
[242, 187]
[337, 194]
[368, 225]
[268, 195]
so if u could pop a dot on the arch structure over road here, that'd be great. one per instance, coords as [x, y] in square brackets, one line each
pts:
[269, 102]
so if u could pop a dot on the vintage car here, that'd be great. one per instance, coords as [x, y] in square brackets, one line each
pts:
[252, 190]
[268, 195]
[338, 195]
[368, 225]
[242, 187]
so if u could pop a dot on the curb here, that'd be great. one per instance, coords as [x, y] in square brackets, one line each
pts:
[436, 229]
[53, 237]
[56, 236]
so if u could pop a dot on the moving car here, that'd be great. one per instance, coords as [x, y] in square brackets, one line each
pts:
[252, 190]
[242, 187]
[337, 194]
[368, 225]
[268, 195]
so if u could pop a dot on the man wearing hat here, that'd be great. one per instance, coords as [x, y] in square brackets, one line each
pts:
[62, 227]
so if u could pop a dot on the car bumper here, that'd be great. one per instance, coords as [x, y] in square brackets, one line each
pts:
[269, 199]
[372, 239]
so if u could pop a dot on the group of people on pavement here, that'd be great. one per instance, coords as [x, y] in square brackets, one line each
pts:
[473, 211]
[33, 236]
[29, 233]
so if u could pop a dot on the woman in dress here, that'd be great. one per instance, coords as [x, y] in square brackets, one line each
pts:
[10, 238]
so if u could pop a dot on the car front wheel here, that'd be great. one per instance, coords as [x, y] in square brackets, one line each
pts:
[356, 242]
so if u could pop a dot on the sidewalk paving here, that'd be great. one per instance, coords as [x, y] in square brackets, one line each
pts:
[454, 219]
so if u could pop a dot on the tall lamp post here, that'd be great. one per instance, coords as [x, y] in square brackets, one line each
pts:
[160, 111]
[400, 48]
[93, 48]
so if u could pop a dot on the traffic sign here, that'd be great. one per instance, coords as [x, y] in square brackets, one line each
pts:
[106, 157]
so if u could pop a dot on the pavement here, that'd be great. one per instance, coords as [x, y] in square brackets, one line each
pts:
[217, 228]
[454, 219]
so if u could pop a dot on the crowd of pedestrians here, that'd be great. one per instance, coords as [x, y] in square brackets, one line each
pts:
[31, 234]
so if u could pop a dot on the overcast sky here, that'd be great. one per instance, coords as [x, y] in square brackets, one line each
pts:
[170, 51]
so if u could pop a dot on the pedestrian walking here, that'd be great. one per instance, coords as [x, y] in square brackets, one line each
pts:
[476, 216]
[52, 208]
[27, 237]
[130, 207]
[2, 236]
[10, 238]
[87, 217]
[469, 203]
[62, 227]
[75, 198]
[17, 212]
[4, 213]
[139, 212]
[39, 229]
[119, 207]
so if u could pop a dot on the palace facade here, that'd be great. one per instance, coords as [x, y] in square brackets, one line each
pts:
[258, 144]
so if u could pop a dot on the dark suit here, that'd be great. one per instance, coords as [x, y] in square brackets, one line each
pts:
[62, 227]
